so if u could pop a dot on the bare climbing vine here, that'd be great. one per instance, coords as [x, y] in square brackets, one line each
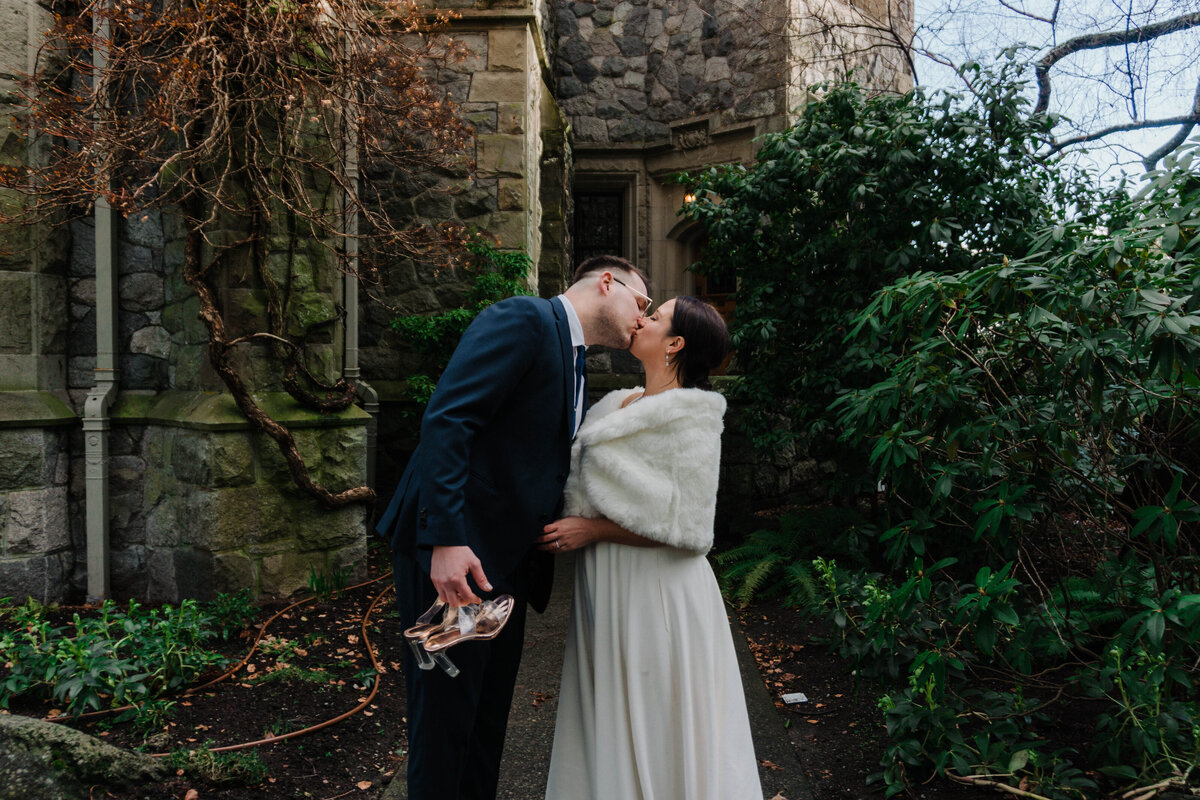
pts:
[248, 119]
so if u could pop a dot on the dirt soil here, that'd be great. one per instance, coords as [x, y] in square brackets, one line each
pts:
[311, 665]
[838, 731]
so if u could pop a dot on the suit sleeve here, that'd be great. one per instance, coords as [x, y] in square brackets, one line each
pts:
[494, 354]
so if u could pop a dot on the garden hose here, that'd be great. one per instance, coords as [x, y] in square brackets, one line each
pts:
[246, 659]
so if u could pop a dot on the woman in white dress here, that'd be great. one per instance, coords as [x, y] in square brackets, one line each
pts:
[651, 705]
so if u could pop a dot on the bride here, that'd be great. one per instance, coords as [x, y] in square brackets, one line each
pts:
[651, 705]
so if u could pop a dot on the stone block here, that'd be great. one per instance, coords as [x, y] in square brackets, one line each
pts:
[475, 57]
[323, 530]
[511, 118]
[40, 577]
[193, 574]
[83, 291]
[511, 194]
[434, 204]
[351, 560]
[144, 228]
[126, 473]
[153, 340]
[142, 372]
[474, 203]
[141, 291]
[575, 51]
[497, 87]
[133, 259]
[716, 69]
[283, 574]
[587, 72]
[160, 565]
[613, 66]
[498, 154]
[590, 129]
[16, 326]
[128, 574]
[309, 309]
[508, 49]
[49, 310]
[509, 227]
[36, 522]
[23, 462]
[234, 571]
[180, 517]
[569, 87]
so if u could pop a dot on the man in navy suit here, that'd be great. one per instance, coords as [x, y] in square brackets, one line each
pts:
[487, 475]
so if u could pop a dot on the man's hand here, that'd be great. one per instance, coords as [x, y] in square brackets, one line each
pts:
[449, 570]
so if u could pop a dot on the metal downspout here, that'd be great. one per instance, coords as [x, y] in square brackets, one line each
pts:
[95, 408]
[370, 397]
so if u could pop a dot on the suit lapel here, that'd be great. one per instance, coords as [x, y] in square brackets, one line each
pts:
[568, 364]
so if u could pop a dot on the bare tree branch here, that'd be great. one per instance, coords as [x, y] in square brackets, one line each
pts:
[1179, 138]
[1190, 119]
[1095, 41]
[1050, 20]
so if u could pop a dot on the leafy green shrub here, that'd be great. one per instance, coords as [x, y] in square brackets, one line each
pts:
[116, 657]
[148, 717]
[497, 274]
[861, 191]
[1038, 423]
[232, 612]
[1013, 357]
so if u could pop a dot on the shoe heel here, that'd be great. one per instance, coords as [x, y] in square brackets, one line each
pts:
[424, 661]
[443, 661]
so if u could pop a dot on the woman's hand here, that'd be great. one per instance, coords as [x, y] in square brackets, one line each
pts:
[568, 533]
[572, 533]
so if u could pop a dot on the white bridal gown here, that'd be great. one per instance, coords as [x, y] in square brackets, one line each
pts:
[651, 705]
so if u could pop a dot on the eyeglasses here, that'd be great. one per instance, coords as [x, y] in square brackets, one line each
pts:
[641, 298]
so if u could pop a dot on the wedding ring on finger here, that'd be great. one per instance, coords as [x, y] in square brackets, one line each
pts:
[558, 544]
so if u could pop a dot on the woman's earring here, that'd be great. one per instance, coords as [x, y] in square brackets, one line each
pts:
[668, 359]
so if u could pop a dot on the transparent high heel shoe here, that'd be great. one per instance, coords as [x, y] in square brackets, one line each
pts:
[434, 619]
[487, 620]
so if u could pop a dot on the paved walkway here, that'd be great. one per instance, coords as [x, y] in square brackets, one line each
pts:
[535, 703]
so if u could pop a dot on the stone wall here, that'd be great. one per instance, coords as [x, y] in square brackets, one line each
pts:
[518, 194]
[629, 69]
[205, 504]
[36, 558]
[35, 552]
[830, 39]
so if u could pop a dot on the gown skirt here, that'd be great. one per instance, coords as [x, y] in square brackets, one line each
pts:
[651, 705]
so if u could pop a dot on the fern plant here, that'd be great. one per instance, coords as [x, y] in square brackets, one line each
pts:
[776, 562]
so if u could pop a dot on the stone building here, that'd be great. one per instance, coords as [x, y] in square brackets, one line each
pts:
[125, 470]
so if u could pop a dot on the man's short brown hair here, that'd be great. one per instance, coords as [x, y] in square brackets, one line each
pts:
[609, 263]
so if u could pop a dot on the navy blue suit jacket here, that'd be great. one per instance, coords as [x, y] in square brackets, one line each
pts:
[495, 445]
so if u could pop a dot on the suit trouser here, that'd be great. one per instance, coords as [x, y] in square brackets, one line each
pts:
[456, 726]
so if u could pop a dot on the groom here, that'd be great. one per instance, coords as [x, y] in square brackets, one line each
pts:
[487, 475]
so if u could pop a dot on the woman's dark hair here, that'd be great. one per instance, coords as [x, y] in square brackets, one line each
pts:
[705, 340]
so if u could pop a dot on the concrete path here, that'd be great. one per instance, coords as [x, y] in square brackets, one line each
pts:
[535, 703]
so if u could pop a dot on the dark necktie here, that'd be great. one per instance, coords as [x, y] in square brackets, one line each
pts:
[580, 387]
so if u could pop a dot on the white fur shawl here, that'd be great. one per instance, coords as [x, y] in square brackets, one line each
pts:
[652, 466]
